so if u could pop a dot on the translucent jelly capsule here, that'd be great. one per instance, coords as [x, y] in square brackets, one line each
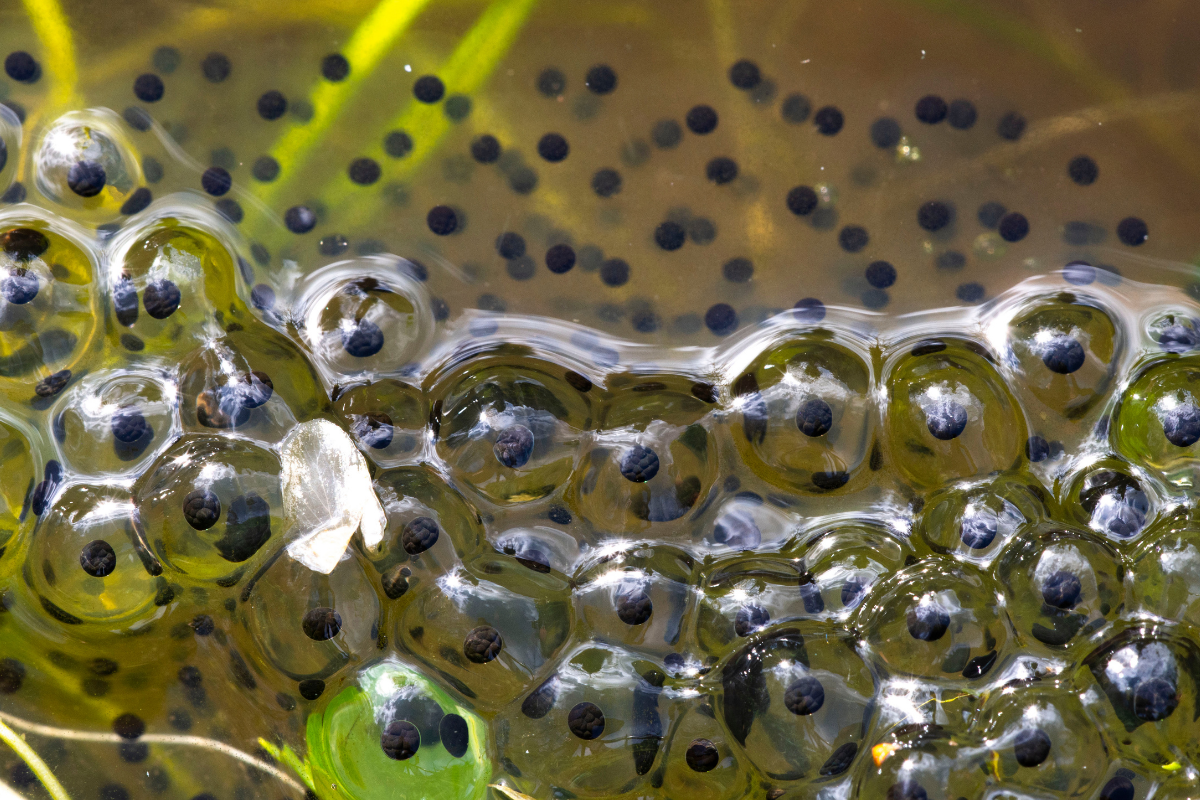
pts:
[1112, 498]
[430, 527]
[595, 725]
[636, 596]
[88, 563]
[1166, 569]
[806, 415]
[10, 146]
[305, 624]
[799, 703]
[85, 163]
[363, 317]
[1061, 585]
[511, 428]
[1157, 423]
[114, 422]
[1140, 686]
[487, 628]
[937, 621]
[49, 314]
[950, 415]
[541, 548]
[228, 388]
[702, 760]
[1042, 740]
[745, 522]
[171, 284]
[387, 420]
[845, 562]
[974, 522]
[746, 595]
[211, 508]
[913, 762]
[1174, 332]
[653, 459]
[393, 726]
[1063, 355]
[29, 486]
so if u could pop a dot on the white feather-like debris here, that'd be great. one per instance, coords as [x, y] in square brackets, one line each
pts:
[327, 495]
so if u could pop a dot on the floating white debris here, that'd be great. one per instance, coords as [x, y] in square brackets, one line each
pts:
[327, 495]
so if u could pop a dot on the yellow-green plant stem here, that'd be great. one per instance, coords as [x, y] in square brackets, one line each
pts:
[748, 139]
[53, 30]
[466, 71]
[1071, 60]
[34, 762]
[58, 48]
[371, 41]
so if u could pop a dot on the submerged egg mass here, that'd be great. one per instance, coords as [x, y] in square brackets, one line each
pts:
[507, 402]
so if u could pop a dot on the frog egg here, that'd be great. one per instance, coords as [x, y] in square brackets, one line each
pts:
[1143, 681]
[89, 564]
[1061, 585]
[1174, 332]
[112, 423]
[1157, 423]
[209, 506]
[744, 522]
[511, 431]
[387, 420]
[596, 723]
[1043, 739]
[845, 562]
[430, 528]
[541, 548]
[1166, 571]
[653, 458]
[799, 702]
[350, 745]
[806, 414]
[743, 595]
[49, 295]
[363, 317]
[974, 522]
[308, 625]
[224, 387]
[636, 596]
[1113, 498]
[1063, 355]
[168, 281]
[472, 625]
[950, 415]
[703, 759]
[85, 163]
[937, 621]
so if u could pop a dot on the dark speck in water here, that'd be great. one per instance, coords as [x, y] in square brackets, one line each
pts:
[335, 67]
[429, 89]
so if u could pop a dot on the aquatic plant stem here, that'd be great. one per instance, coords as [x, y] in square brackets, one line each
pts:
[756, 218]
[112, 738]
[34, 762]
[53, 30]
[1072, 60]
[466, 71]
[370, 42]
